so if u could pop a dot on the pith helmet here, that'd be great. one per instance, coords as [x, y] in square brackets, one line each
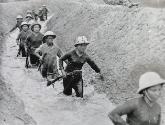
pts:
[29, 15]
[149, 79]
[49, 33]
[81, 40]
[24, 23]
[19, 17]
[28, 11]
[34, 25]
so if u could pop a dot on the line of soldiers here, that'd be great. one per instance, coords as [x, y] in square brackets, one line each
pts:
[31, 17]
[41, 51]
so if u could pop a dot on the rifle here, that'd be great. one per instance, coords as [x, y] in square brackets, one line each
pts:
[60, 77]
[53, 81]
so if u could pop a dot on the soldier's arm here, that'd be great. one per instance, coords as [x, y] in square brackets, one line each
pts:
[93, 64]
[121, 110]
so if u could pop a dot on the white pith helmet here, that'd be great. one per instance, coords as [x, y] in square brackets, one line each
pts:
[19, 17]
[29, 15]
[49, 33]
[81, 40]
[24, 23]
[149, 79]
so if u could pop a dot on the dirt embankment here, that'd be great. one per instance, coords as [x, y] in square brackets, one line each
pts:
[12, 110]
[124, 42]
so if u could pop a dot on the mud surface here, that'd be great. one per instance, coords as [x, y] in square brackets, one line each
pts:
[125, 42]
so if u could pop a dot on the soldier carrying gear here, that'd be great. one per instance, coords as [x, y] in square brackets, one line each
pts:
[34, 15]
[40, 14]
[49, 62]
[72, 73]
[45, 12]
[21, 39]
[34, 40]
[19, 20]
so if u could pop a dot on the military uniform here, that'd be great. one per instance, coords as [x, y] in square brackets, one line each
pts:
[73, 69]
[34, 42]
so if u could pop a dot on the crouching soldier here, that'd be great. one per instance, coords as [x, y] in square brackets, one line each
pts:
[33, 41]
[48, 53]
[73, 74]
[21, 39]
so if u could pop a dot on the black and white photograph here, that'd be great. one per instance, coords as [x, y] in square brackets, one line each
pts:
[82, 62]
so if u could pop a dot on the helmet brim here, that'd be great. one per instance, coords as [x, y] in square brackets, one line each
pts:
[54, 36]
[80, 44]
[140, 90]
[32, 27]
[26, 25]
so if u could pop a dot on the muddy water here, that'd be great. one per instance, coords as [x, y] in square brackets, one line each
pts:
[47, 105]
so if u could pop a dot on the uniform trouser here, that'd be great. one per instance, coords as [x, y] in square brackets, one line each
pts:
[44, 70]
[41, 18]
[34, 60]
[45, 15]
[75, 82]
[22, 50]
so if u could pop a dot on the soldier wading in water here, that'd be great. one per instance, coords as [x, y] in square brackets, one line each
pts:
[143, 110]
[33, 41]
[72, 73]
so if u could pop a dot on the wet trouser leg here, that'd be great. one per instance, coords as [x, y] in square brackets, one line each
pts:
[73, 81]
[23, 51]
[79, 88]
[34, 59]
[67, 84]
[44, 70]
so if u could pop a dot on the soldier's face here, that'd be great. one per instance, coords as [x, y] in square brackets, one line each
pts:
[49, 40]
[25, 27]
[36, 28]
[154, 92]
[82, 47]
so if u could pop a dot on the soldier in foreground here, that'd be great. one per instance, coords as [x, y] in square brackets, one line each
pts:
[143, 110]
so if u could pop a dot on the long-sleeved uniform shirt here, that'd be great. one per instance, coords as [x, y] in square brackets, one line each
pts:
[138, 113]
[34, 41]
[22, 36]
[76, 62]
